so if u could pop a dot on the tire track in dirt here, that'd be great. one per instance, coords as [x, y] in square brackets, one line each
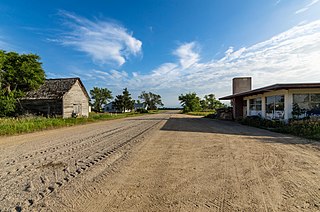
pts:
[113, 168]
[86, 153]
[63, 152]
[58, 145]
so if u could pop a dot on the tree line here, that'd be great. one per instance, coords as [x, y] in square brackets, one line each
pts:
[123, 102]
[21, 73]
[192, 103]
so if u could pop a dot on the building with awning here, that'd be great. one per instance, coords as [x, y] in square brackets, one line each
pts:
[278, 101]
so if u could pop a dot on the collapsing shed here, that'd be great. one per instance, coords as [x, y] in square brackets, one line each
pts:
[66, 97]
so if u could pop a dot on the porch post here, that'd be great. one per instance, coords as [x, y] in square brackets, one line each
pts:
[288, 101]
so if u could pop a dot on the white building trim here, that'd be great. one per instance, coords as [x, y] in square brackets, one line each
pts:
[288, 100]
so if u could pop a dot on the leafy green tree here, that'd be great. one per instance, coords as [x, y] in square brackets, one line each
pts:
[204, 104]
[19, 73]
[212, 103]
[151, 100]
[7, 103]
[190, 102]
[101, 96]
[2, 58]
[124, 102]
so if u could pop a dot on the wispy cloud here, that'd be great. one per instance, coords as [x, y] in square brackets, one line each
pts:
[292, 56]
[187, 55]
[307, 7]
[104, 41]
[277, 2]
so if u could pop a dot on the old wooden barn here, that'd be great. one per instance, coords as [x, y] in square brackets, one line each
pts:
[65, 97]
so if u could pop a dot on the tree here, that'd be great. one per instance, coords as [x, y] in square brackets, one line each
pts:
[204, 104]
[7, 103]
[190, 102]
[212, 103]
[100, 96]
[124, 102]
[151, 100]
[19, 73]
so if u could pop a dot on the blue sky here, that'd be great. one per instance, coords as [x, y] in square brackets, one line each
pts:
[168, 47]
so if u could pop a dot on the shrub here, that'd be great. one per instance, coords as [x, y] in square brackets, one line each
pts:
[142, 110]
[305, 128]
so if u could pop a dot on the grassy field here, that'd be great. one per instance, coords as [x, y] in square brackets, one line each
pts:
[200, 113]
[12, 126]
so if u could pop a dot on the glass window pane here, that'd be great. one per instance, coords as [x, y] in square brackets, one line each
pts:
[255, 105]
[279, 103]
[258, 101]
[300, 98]
[275, 107]
[269, 104]
[315, 97]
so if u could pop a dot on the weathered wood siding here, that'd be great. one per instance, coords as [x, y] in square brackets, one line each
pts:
[75, 101]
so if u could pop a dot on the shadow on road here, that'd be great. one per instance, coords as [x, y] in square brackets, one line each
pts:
[204, 125]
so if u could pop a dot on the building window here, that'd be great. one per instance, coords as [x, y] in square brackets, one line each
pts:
[255, 107]
[76, 108]
[275, 107]
[306, 105]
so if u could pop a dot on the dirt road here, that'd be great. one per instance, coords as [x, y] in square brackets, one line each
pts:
[163, 162]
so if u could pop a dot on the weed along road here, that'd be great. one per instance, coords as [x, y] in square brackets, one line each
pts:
[160, 162]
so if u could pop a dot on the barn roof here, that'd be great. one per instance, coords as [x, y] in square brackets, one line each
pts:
[54, 89]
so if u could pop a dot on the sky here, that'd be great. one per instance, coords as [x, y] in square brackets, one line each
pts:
[168, 47]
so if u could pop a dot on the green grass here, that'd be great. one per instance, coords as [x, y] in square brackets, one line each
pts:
[12, 126]
[205, 113]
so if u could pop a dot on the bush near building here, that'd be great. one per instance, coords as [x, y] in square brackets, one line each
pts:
[307, 128]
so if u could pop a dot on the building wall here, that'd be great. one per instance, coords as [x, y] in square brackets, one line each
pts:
[75, 100]
[110, 108]
[237, 107]
[288, 100]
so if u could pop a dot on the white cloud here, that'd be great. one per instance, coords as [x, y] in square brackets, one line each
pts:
[187, 54]
[105, 42]
[118, 75]
[291, 56]
[307, 7]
